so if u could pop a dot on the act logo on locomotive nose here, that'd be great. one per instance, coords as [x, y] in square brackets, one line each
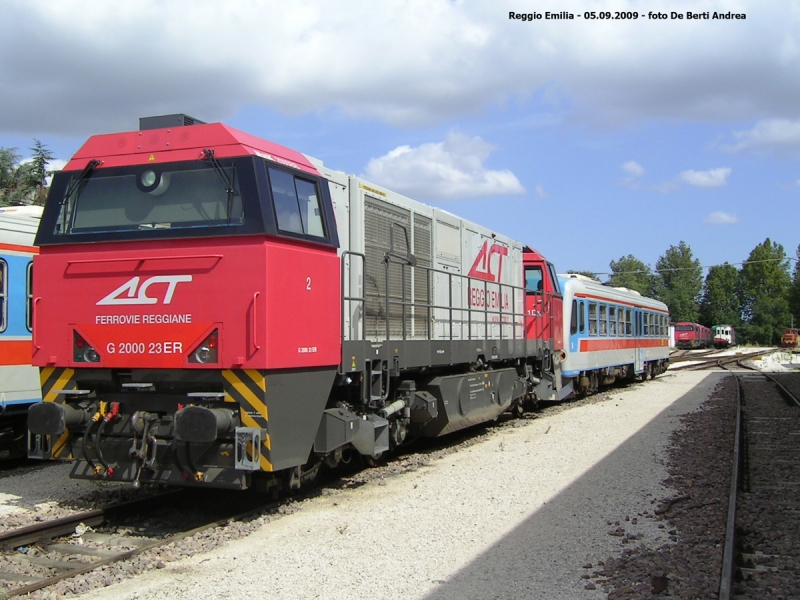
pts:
[137, 294]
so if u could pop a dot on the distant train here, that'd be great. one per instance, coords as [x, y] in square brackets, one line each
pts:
[216, 310]
[689, 336]
[724, 336]
[790, 338]
[611, 333]
[19, 381]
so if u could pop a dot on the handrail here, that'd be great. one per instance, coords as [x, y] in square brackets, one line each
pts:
[256, 346]
[33, 323]
[517, 318]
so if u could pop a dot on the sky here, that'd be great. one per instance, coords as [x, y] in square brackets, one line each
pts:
[587, 138]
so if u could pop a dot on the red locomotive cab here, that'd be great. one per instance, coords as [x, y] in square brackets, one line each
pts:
[543, 300]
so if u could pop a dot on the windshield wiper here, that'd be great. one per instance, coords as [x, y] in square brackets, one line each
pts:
[77, 184]
[227, 180]
[67, 212]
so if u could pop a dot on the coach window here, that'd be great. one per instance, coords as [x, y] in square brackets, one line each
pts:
[29, 294]
[628, 330]
[573, 321]
[583, 316]
[603, 320]
[592, 318]
[3, 295]
[296, 204]
[612, 320]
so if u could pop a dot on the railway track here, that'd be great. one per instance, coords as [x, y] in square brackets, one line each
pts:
[40, 555]
[711, 361]
[761, 557]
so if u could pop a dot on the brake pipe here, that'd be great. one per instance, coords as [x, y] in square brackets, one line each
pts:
[109, 416]
[95, 418]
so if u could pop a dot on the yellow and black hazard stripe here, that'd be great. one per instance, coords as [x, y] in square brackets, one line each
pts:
[54, 380]
[248, 388]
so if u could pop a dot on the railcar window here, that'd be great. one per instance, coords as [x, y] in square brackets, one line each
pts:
[29, 294]
[603, 320]
[628, 330]
[533, 280]
[592, 318]
[3, 295]
[645, 324]
[612, 320]
[296, 203]
[134, 198]
[583, 316]
[573, 323]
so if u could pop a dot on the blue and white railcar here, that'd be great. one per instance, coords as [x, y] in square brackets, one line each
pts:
[611, 333]
[19, 381]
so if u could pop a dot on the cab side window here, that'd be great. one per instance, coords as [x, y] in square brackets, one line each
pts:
[533, 280]
[297, 206]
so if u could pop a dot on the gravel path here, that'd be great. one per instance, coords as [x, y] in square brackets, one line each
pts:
[525, 513]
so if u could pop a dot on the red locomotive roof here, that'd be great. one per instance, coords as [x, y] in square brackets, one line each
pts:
[174, 144]
[532, 253]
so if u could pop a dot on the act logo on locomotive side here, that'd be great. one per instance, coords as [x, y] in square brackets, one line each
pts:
[137, 294]
[482, 267]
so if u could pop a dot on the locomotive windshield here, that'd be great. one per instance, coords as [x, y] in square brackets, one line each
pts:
[195, 194]
[208, 197]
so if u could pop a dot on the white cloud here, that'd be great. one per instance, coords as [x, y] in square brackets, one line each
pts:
[397, 61]
[772, 134]
[447, 170]
[706, 179]
[721, 218]
[540, 192]
[633, 168]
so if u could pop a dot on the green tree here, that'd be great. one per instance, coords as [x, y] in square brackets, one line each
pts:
[765, 294]
[678, 281]
[629, 272]
[41, 158]
[720, 302]
[794, 291]
[24, 182]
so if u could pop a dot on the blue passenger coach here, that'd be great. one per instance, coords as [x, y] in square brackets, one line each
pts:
[611, 333]
[19, 381]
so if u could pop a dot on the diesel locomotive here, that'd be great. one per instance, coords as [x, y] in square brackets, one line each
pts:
[214, 309]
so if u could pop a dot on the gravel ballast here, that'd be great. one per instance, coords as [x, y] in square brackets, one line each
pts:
[526, 513]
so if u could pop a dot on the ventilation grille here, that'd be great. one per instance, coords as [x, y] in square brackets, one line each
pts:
[402, 283]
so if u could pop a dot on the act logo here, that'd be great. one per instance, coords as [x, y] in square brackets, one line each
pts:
[485, 267]
[137, 294]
